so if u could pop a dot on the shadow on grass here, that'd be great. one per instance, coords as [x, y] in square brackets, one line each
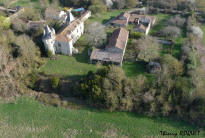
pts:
[83, 57]
[132, 69]
[107, 20]
[171, 121]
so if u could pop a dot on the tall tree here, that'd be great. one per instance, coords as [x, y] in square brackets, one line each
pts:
[148, 48]
[96, 34]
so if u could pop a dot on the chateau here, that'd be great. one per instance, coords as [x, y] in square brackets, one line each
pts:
[63, 41]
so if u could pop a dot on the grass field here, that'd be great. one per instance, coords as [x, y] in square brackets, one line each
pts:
[24, 3]
[160, 23]
[68, 66]
[203, 29]
[29, 118]
[75, 65]
[105, 17]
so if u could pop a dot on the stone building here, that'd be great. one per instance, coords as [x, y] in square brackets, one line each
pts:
[142, 23]
[115, 50]
[71, 31]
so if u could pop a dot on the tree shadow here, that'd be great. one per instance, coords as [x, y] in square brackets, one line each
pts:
[107, 20]
[83, 56]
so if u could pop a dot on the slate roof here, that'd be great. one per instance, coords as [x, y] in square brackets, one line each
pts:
[120, 22]
[48, 32]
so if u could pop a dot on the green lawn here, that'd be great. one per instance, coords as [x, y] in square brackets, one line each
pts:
[203, 29]
[105, 17]
[160, 23]
[29, 118]
[27, 3]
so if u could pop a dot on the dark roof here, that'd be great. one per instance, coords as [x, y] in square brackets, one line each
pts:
[120, 22]
[102, 55]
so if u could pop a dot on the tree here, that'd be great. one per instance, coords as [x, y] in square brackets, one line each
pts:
[196, 31]
[108, 3]
[171, 31]
[19, 25]
[131, 3]
[6, 3]
[97, 6]
[176, 21]
[119, 4]
[55, 82]
[4, 23]
[148, 48]
[31, 14]
[96, 34]
[174, 66]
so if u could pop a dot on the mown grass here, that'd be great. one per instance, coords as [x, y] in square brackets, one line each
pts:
[203, 29]
[29, 118]
[160, 23]
[27, 3]
[105, 17]
[76, 65]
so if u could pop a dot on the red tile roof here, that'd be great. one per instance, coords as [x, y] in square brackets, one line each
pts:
[118, 39]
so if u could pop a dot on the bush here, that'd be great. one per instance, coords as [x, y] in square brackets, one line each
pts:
[4, 23]
[136, 35]
[171, 31]
[98, 8]
[196, 31]
[49, 54]
[33, 79]
[19, 25]
[55, 82]
[177, 21]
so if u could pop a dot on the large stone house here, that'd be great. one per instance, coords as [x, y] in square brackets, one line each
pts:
[115, 50]
[63, 42]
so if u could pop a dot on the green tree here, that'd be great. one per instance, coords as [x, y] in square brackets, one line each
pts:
[148, 49]
[131, 3]
[55, 82]
[4, 23]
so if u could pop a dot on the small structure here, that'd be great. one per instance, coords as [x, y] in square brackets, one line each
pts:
[114, 51]
[154, 67]
[122, 20]
[142, 23]
[63, 42]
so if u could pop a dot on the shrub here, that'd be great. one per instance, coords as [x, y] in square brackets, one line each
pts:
[4, 23]
[49, 54]
[171, 31]
[196, 31]
[176, 21]
[136, 35]
[19, 25]
[55, 82]
[98, 8]
[33, 79]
